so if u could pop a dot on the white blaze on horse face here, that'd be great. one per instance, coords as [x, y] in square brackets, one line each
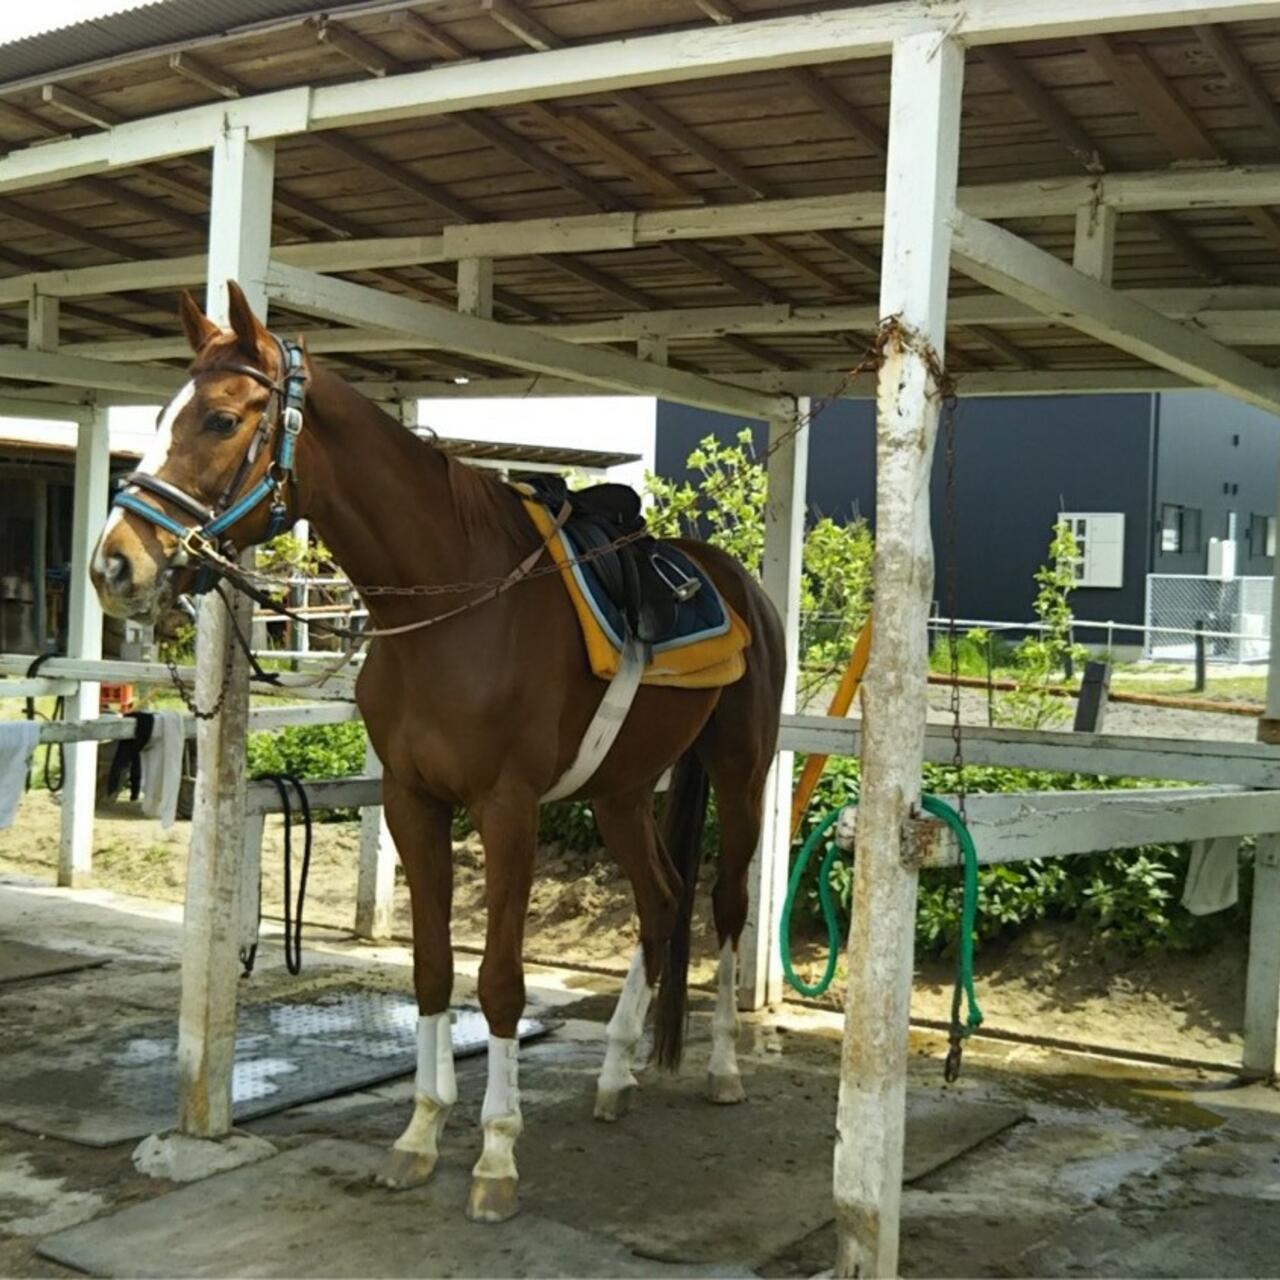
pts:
[153, 461]
[501, 1116]
[625, 1029]
[724, 1022]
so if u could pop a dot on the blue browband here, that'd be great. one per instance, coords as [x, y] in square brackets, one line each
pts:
[211, 523]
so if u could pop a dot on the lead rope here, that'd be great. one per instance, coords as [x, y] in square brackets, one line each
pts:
[292, 908]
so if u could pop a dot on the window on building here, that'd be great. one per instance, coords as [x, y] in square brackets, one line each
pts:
[1100, 546]
[1179, 528]
[1262, 535]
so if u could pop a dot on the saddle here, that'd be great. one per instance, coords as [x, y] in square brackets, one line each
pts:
[645, 585]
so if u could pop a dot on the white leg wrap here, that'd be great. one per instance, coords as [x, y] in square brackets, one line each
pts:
[724, 1022]
[501, 1116]
[435, 1088]
[625, 1029]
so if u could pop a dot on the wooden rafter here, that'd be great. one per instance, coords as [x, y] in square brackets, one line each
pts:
[1090, 154]
[1243, 76]
[1158, 102]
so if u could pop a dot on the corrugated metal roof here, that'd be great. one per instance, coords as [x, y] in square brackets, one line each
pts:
[165, 22]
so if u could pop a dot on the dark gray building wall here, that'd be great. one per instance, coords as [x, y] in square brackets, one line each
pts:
[1020, 461]
[1216, 456]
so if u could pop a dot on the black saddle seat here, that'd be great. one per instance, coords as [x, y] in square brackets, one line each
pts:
[601, 514]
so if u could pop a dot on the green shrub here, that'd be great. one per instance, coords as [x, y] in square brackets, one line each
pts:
[1129, 896]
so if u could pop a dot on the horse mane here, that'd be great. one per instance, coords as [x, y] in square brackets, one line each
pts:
[483, 500]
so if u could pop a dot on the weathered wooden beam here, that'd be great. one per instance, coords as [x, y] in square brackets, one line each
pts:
[516, 346]
[200, 72]
[1243, 75]
[80, 107]
[1005, 262]
[924, 143]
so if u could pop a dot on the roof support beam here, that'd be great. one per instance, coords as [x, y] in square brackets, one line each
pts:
[22, 364]
[805, 39]
[1227, 188]
[517, 346]
[1004, 262]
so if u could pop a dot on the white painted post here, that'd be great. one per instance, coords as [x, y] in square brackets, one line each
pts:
[1262, 986]
[1095, 247]
[924, 123]
[239, 246]
[40, 563]
[475, 287]
[760, 956]
[300, 596]
[376, 881]
[84, 640]
[1269, 724]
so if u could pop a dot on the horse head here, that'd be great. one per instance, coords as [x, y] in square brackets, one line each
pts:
[219, 471]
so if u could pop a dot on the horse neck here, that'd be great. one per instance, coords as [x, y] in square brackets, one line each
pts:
[381, 500]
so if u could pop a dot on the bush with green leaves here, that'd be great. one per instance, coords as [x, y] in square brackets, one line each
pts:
[1130, 897]
[726, 506]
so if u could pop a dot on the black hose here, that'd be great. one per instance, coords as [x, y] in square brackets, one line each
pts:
[59, 713]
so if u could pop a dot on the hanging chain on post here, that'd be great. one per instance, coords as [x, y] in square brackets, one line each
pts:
[955, 1052]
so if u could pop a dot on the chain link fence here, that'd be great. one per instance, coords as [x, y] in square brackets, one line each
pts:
[1234, 614]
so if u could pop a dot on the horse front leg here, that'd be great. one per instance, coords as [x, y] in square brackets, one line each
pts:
[508, 826]
[420, 826]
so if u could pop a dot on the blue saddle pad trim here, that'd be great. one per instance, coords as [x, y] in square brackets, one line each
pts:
[699, 618]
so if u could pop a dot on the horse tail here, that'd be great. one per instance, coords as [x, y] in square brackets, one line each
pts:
[683, 822]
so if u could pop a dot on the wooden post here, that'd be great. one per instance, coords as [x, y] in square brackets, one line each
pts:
[1269, 724]
[760, 967]
[475, 287]
[40, 564]
[924, 124]
[1262, 986]
[376, 881]
[84, 640]
[1095, 246]
[239, 245]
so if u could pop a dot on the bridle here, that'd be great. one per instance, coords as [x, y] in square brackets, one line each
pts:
[204, 541]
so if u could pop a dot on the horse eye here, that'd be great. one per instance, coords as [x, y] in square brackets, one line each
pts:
[221, 422]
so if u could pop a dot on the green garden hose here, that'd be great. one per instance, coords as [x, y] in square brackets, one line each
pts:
[964, 995]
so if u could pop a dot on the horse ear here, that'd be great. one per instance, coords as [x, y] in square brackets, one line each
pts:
[249, 332]
[195, 324]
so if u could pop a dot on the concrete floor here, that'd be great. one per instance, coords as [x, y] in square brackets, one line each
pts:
[1114, 1169]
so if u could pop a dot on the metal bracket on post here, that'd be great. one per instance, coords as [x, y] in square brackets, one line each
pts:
[927, 842]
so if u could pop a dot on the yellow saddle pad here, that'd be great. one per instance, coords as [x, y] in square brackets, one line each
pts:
[706, 662]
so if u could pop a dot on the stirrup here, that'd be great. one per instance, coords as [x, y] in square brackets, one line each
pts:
[683, 587]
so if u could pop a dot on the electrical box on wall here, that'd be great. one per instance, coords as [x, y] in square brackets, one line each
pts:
[1100, 543]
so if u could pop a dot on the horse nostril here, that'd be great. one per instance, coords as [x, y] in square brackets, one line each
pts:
[117, 568]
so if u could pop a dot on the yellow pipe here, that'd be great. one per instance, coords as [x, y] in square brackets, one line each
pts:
[850, 682]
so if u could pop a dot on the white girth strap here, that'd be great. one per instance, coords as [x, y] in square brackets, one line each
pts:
[605, 724]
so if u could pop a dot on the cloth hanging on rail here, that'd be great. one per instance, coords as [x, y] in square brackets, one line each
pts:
[1213, 878]
[162, 767]
[18, 740]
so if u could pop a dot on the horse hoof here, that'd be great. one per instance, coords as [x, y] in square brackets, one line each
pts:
[613, 1104]
[404, 1169]
[725, 1090]
[493, 1199]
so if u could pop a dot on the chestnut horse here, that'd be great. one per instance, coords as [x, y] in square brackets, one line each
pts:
[484, 712]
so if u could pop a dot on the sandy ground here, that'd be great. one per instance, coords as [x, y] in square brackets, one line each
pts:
[1051, 981]
[1105, 1168]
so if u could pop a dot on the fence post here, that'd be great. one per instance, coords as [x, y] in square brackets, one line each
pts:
[1262, 987]
[376, 879]
[1202, 658]
[84, 640]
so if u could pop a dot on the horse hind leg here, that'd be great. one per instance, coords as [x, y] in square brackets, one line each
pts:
[739, 801]
[420, 827]
[630, 834]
